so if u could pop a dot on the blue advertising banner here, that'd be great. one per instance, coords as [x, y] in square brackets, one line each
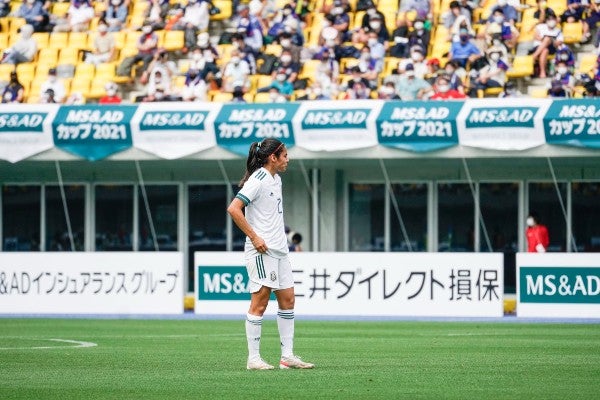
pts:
[238, 125]
[418, 126]
[93, 131]
[573, 123]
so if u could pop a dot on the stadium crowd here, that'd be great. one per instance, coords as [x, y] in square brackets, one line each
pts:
[116, 51]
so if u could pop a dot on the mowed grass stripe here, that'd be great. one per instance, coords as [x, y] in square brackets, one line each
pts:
[172, 359]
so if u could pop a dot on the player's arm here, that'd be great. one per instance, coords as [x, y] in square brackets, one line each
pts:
[235, 209]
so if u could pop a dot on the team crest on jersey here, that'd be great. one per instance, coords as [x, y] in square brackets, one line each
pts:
[273, 276]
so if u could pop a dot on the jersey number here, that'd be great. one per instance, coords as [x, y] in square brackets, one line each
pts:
[279, 208]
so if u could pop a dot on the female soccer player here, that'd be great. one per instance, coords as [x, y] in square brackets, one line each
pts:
[266, 250]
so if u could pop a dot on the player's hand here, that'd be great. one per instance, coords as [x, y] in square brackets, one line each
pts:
[259, 244]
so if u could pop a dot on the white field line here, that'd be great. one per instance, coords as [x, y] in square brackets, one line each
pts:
[73, 344]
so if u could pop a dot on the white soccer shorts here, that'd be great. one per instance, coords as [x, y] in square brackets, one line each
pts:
[264, 270]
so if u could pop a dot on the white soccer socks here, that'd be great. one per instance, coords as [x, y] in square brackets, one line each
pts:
[253, 332]
[285, 323]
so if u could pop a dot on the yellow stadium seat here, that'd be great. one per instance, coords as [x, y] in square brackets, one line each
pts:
[572, 32]
[224, 7]
[26, 71]
[522, 67]
[184, 66]
[127, 52]
[33, 99]
[78, 40]
[80, 85]
[119, 39]
[41, 70]
[539, 92]
[309, 68]
[60, 9]
[5, 70]
[69, 55]
[97, 88]
[135, 21]
[36, 86]
[263, 81]
[178, 81]
[41, 39]
[261, 97]
[222, 97]
[59, 40]
[587, 63]
[173, 40]
[132, 39]
[5, 24]
[139, 8]
[48, 56]
[84, 71]
[16, 23]
[105, 71]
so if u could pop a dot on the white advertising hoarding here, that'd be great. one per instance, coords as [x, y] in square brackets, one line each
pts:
[91, 283]
[364, 284]
[563, 285]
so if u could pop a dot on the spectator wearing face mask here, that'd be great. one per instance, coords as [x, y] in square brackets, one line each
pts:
[510, 13]
[287, 67]
[328, 70]
[283, 87]
[147, 46]
[112, 95]
[592, 19]
[370, 67]
[574, 11]
[249, 26]
[285, 40]
[358, 91]
[57, 86]
[565, 77]
[23, 50]
[203, 61]
[454, 12]
[236, 72]
[14, 92]
[104, 46]
[195, 88]
[557, 89]
[500, 27]
[116, 15]
[493, 74]
[399, 47]
[275, 96]
[79, 16]
[417, 61]
[464, 51]
[387, 91]
[357, 76]
[422, 8]
[339, 19]
[536, 233]
[419, 36]
[455, 76]
[564, 54]
[546, 36]
[34, 14]
[375, 27]
[195, 19]
[443, 91]
[411, 87]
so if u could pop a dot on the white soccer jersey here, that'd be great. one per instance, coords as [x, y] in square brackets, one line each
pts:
[264, 211]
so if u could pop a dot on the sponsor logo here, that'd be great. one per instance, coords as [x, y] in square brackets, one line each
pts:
[222, 283]
[559, 285]
[256, 114]
[95, 116]
[22, 122]
[501, 117]
[335, 119]
[158, 120]
[421, 113]
[581, 111]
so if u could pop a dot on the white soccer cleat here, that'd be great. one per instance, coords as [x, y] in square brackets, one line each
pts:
[258, 363]
[294, 362]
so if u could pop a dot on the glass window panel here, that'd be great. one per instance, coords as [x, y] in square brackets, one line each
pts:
[57, 233]
[162, 202]
[586, 215]
[544, 200]
[499, 203]
[366, 217]
[412, 206]
[239, 238]
[456, 209]
[21, 218]
[114, 217]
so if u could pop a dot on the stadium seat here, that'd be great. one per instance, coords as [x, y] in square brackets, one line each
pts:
[60, 9]
[16, 23]
[119, 39]
[105, 71]
[522, 67]
[222, 97]
[572, 32]
[48, 56]
[261, 98]
[79, 40]
[97, 88]
[69, 55]
[80, 85]
[273, 48]
[41, 39]
[173, 40]
[264, 81]
[26, 71]
[58, 40]
[84, 71]
[309, 69]
[5, 70]
[587, 64]
[539, 92]
[225, 11]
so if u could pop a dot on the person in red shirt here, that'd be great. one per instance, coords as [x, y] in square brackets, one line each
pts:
[111, 97]
[443, 91]
[537, 235]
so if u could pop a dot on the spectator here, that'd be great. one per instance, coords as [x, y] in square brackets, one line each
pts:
[48, 97]
[574, 11]
[246, 52]
[565, 77]
[286, 66]
[204, 63]
[235, 73]
[14, 92]
[510, 91]
[387, 91]
[461, 24]
[159, 88]
[451, 70]
[249, 26]
[285, 40]
[537, 234]
[400, 45]
[195, 88]
[418, 62]
[375, 28]
[238, 95]
[543, 11]
[453, 13]
[357, 77]
[4, 8]
[275, 96]
[510, 13]
[443, 91]
[195, 19]
[358, 91]
[422, 8]
[564, 54]
[328, 71]
[506, 31]
[157, 14]
[147, 46]
[111, 96]
[203, 42]
[592, 19]
[411, 87]
[116, 15]
[104, 46]
[493, 74]
[419, 37]
[161, 63]
[284, 87]
[55, 84]
[370, 66]
[464, 52]
[23, 50]
[546, 36]
[296, 241]
[557, 89]
[339, 19]
[78, 19]
[34, 14]
[317, 92]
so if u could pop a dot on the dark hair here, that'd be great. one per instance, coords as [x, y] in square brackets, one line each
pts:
[535, 216]
[258, 154]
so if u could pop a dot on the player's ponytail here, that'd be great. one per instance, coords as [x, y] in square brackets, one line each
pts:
[258, 155]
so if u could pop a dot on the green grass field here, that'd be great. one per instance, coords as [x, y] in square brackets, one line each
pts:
[197, 359]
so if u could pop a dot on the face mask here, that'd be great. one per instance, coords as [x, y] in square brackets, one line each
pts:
[280, 77]
[159, 95]
[52, 79]
[317, 91]
[236, 45]
[386, 90]
[286, 59]
[494, 56]
[115, 2]
[496, 42]
[562, 70]
[102, 28]
[501, 3]
[286, 43]
[30, 2]
[365, 56]
[330, 43]
[551, 23]
[235, 60]
[410, 74]
[418, 25]
[530, 221]
[111, 92]
[337, 10]
[443, 88]
[197, 56]
[415, 56]
[273, 96]
[372, 42]
[375, 25]
[287, 12]
[498, 19]
[564, 57]
[147, 29]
